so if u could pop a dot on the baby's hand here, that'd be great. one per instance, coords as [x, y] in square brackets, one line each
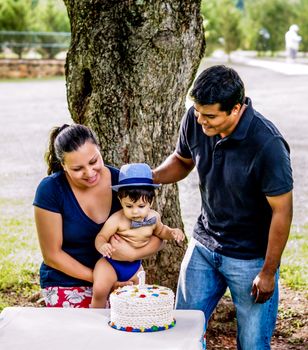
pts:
[178, 234]
[106, 250]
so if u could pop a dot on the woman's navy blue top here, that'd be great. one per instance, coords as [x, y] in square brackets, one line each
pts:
[79, 231]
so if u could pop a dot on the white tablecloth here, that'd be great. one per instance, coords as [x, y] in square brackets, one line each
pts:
[87, 329]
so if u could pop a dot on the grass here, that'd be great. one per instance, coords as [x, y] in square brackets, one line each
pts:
[20, 256]
[19, 253]
[26, 80]
[293, 271]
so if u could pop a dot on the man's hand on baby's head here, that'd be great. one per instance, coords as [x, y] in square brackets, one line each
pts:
[178, 235]
[106, 250]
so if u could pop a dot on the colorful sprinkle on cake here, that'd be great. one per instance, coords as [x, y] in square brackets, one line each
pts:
[142, 308]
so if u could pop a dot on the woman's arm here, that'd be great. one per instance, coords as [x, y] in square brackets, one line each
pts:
[50, 235]
[125, 252]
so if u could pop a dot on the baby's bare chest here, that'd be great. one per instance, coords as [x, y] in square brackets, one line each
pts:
[139, 234]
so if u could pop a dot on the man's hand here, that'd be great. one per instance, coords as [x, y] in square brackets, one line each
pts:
[118, 284]
[263, 287]
[106, 250]
[178, 235]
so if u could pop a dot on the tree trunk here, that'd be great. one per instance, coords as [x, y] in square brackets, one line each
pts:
[128, 70]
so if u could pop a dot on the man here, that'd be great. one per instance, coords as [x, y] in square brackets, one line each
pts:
[246, 186]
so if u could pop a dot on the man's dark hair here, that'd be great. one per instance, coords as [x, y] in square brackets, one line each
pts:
[134, 193]
[219, 84]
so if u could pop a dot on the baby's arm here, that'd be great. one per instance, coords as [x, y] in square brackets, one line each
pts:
[108, 230]
[165, 232]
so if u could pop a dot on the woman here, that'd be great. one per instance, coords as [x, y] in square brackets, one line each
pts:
[71, 206]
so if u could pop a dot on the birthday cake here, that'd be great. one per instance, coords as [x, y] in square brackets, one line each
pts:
[142, 308]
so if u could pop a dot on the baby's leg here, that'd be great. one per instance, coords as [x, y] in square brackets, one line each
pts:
[104, 277]
[135, 278]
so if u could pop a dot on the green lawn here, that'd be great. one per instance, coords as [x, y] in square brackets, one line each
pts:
[20, 256]
[19, 253]
[293, 269]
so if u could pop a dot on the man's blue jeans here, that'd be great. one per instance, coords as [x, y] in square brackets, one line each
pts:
[204, 278]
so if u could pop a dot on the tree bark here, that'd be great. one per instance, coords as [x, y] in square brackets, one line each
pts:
[128, 70]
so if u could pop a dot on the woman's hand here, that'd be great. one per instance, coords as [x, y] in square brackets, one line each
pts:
[125, 252]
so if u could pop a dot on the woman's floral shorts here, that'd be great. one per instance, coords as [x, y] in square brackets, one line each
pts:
[67, 296]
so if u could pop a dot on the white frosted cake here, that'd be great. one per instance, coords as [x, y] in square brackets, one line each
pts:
[142, 308]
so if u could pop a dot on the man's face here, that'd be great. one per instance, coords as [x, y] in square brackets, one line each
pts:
[214, 121]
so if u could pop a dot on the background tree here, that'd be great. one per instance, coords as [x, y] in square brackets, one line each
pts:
[222, 21]
[16, 16]
[229, 21]
[29, 17]
[128, 70]
[52, 16]
[209, 11]
[272, 16]
[301, 19]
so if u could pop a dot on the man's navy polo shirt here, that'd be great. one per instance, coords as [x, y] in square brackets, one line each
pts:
[236, 174]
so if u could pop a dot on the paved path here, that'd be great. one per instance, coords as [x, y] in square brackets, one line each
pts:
[29, 110]
[281, 67]
[281, 98]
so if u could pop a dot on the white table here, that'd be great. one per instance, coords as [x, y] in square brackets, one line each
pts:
[87, 329]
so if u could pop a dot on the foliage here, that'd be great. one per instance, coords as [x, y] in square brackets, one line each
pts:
[209, 11]
[51, 18]
[18, 16]
[258, 25]
[222, 25]
[301, 19]
[272, 16]
[293, 270]
[38, 16]
[228, 24]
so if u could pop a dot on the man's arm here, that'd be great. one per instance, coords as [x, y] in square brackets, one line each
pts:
[263, 284]
[173, 169]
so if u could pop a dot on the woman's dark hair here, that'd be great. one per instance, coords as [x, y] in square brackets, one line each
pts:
[219, 84]
[134, 193]
[65, 139]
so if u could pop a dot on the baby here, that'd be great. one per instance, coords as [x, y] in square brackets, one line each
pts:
[135, 223]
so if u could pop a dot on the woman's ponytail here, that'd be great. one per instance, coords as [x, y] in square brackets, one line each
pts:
[51, 158]
[66, 139]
